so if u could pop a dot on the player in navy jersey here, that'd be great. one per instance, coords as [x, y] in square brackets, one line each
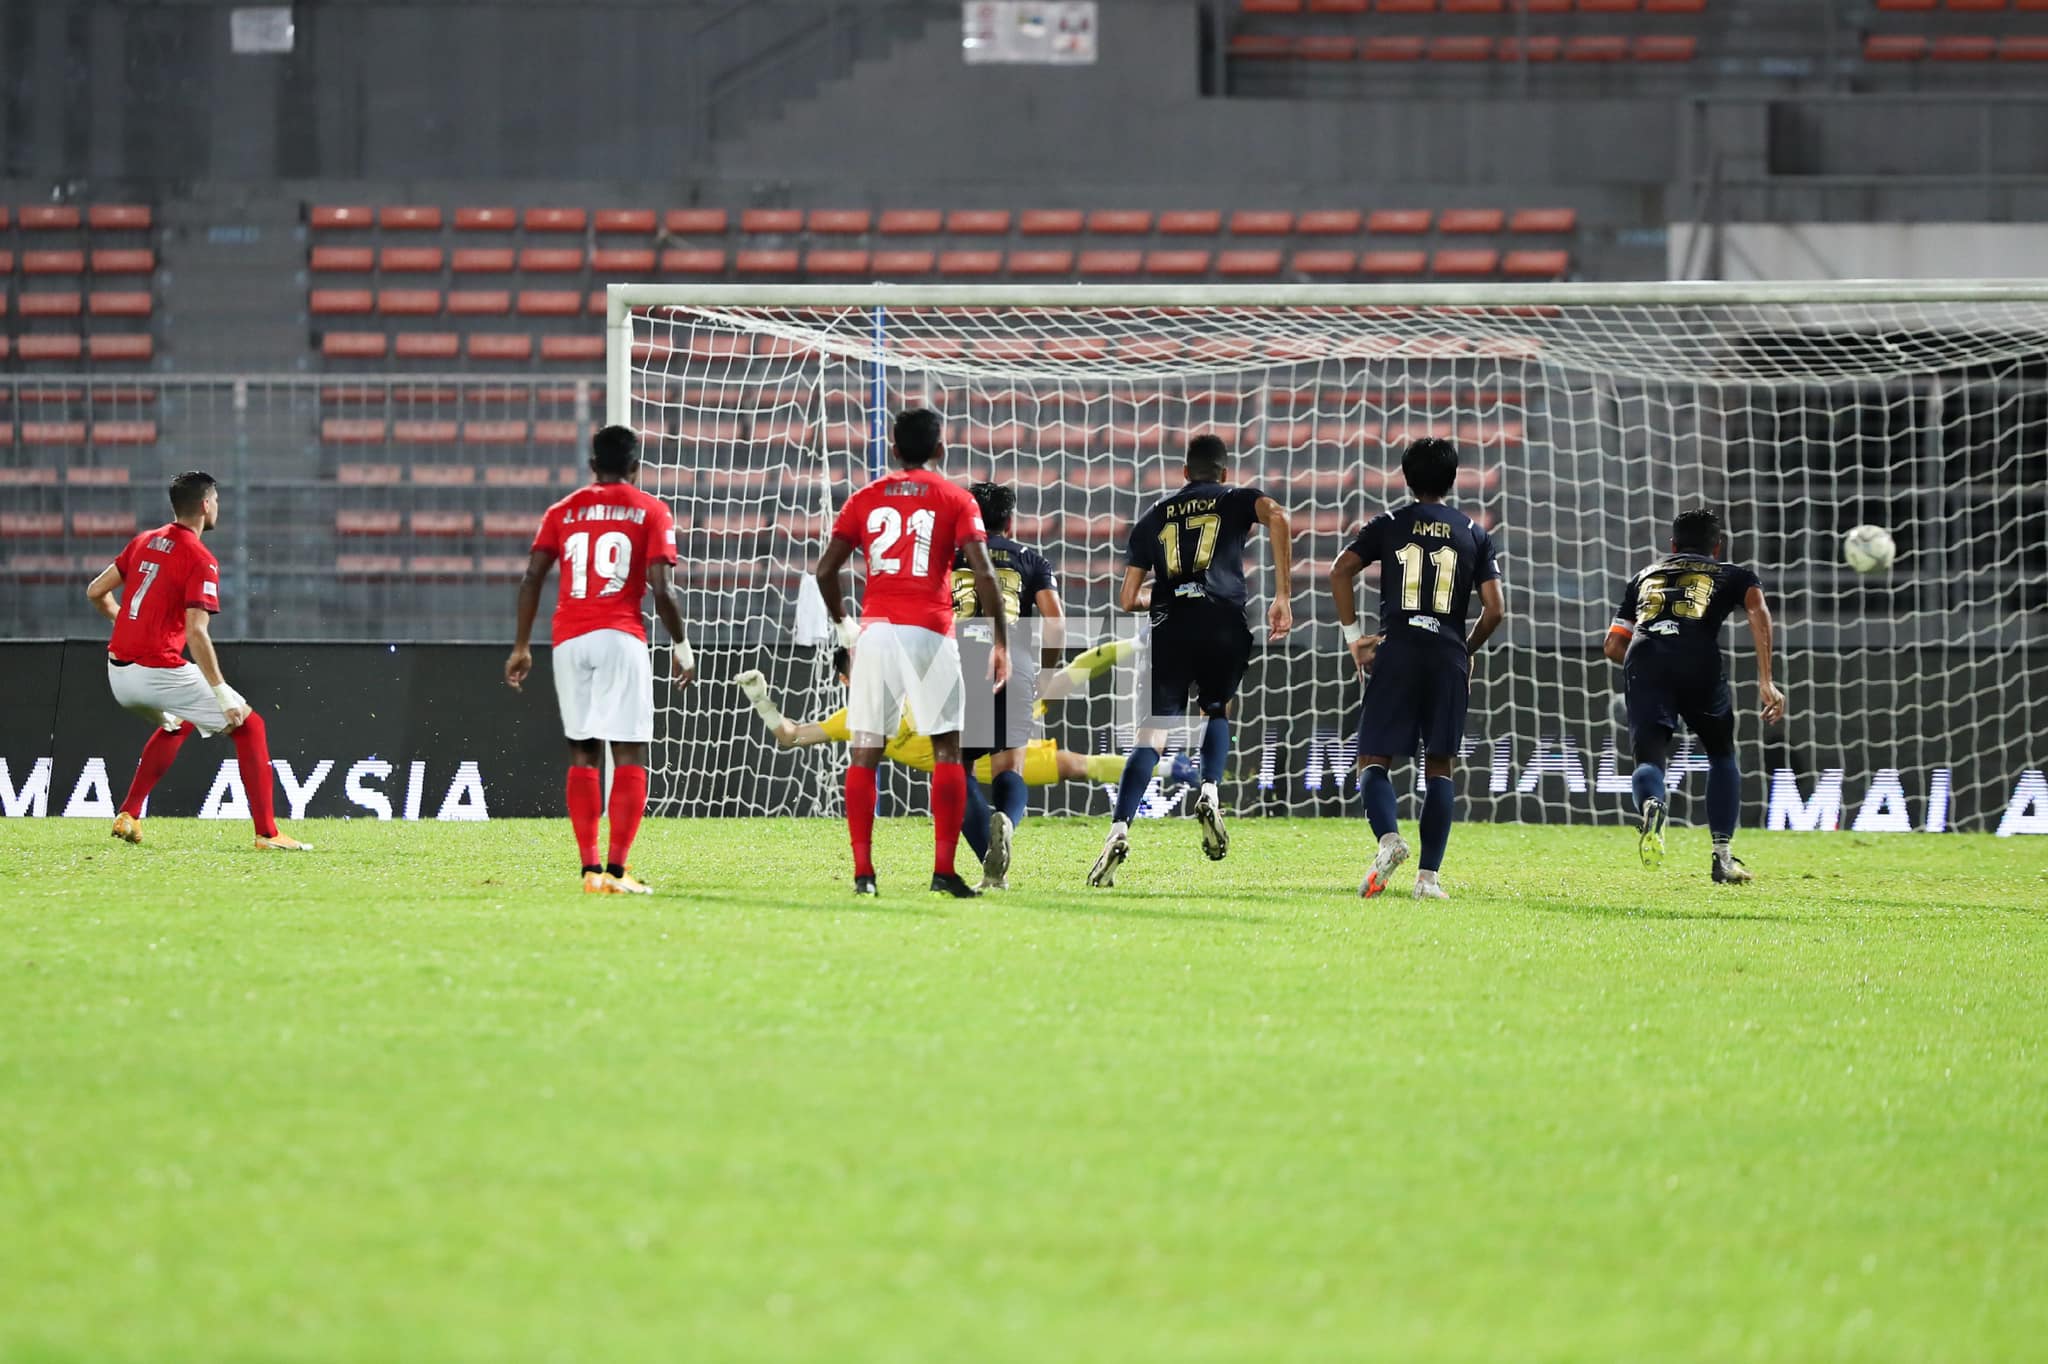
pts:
[1000, 723]
[1192, 545]
[1431, 559]
[1667, 638]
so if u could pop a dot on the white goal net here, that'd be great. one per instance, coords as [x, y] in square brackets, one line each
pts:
[1586, 417]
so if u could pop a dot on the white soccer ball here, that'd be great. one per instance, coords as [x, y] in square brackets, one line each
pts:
[1869, 549]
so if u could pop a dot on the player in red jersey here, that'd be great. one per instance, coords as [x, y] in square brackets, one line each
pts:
[613, 541]
[907, 526]
[172, 584]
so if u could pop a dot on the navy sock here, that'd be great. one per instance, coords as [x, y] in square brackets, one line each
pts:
[1378, 790]
[975, 827]
[1724, 796]
[1648, 783]
[1130, 793]
[1215, 748]
[1439, 807]
[1009, 793]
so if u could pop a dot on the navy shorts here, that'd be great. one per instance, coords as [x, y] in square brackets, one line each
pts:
[1199, 648]
[1416, 699]
[1660, 693]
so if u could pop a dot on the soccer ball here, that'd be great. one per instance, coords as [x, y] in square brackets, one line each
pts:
[1869, 549]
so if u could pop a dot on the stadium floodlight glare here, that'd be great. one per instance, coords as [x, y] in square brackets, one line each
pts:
[1586, 417]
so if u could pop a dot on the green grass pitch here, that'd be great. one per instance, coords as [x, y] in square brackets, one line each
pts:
[412, 1097]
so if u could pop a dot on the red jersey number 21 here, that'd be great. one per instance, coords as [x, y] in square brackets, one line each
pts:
[612, 558]
[886, 528]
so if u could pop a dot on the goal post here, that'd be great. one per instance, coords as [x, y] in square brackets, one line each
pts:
[1586, 417]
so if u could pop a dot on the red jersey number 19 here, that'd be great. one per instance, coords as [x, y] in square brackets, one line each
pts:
[612, 558]
[886, 528]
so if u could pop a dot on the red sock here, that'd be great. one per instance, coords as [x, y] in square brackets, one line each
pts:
[629, 805]
[252, 755]
[949, 812]
[586, 808]
[860, 817]
[157, 756]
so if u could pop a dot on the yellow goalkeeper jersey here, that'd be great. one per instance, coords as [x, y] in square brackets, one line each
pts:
[910, 749]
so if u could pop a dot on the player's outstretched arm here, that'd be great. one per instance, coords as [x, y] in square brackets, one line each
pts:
[1493, 609]
[1769, 698]
[1280, 615]
[198, 637]
[520, 662]
[661, 580]
[832, 587]
[991, 593]
[100, 592]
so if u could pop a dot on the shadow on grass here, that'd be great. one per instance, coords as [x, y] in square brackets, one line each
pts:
[888, 902]
[1586, 911]
[1103, 907]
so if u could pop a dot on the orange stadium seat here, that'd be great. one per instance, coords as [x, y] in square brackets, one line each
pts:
[772, 221]
[6, 262]
[904, 262]
[2023, 47]
[52, 262]
[1335, 222]
[1963, 47]
[1248, 264]
[428, 431]
[500, 346]
[1474, 6]
[479, 302]
[66, 304]
[1545, 220]
[123, 260]
[333, 217]
[1663, 47]
[1391, 49]
[1674, 6]
[978, 222]
[1466, 262]
[1190, 222]
[1460, 48]
[326, 260]
[1326, 47]
[482, 260]
[404, 260]
[556, 220]
[409, 217]
[1041, 263]
[427, 346]
[354, 345]
[620, 220]
[119, 346]
[551, 260]
[1470, 220]
[1398, 222]
[1894, 47]
[612, 260]
[53, 433]
[1177, 264]
[486, 219]
[577, 348]
[124, 433]
[550, 303]
[356, 431]
[1272, 6]
[697, 221]
[1393, 263]
[1261, 46]
[830, 262]
[840, 222]
[1325, 262]
[1254, 222]
[359, 522]
[1607, 6]
[1550, 264]
[444, 524]
[970, 263]
[1405, 6]
[1050, 222]
[693, 261]
[1110, 262]
[766, 262]
[910, 222]
[443, 475]
[120, 217]
[340, 302]
[1596, 47]
[1976, 6]
[409, 302]
[1120, 222]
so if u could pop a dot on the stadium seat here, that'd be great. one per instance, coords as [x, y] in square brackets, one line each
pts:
[1462, 48]
[1272, 6]
[479, 302]
[367, 565]
[1466, 262]
[334, 217]
[119, 218]
[696, 221]
[1050, 222]
[1391, 49]
[1177, 264]
[409, 218]
[693, 261]
[1474, 6]
[1261, 223]
[427, 346]
[1961, 47]
[405, 260]
[1542, 6]
[579, 348]
[1110, 262]
[1454, 221]
[621, 220]
[910, 222]
[443, 525]
[1256, 264]
[970, 263]
[978, 222]
[1035, 264]
[1198, 222]
[1894, 47]
[482, 260]
[124, 260]
[901, 262]
[340, 302]
[364, 522]
[550, 303]
[1547, 264]
[103, 523]
[556, 220]
[1595, 47]
[1336, 222]
[499, 346]
[766, 262]
[1607, 6]
[356, 431]
[1339, 6]
[81, 477]
[1558, 221]
[51, 304]
[772, 221]
[486, 219]
[509, 525]
[1325, 47]
[2023, 47]
[354, 345]
[409, 302]
[31, 525]
[830, 262]
[443, 475]
[424, 431]
[53, 262]
[1663, 47]
[1120, 222]
[840, 222]
[622, 262]
[1261, 47]
[551, 260]
[1674, 6]
[6, 262]
[1398, 222]
[124, 433]
[326, 260]
[53, 433]
[1325, 262]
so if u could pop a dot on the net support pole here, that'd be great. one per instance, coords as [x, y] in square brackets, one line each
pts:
[618, 357]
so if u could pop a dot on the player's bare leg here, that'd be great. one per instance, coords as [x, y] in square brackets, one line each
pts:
[1377, 792]
[628, 808]
[949, 812]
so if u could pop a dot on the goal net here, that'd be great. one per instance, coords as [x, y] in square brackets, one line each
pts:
[1586, 417]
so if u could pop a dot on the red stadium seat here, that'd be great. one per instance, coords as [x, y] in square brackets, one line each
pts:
[1190, 222]
[31, 525]
[1391, 49]
[1110, 262]
[1332, 222]
[427, 346]
[696, 221]
[120, 303]
[340, 302]
[556, 220]
[1177, 264]
[576, 348]
[1398, 222]
[1674, 6]
[620, 220]
[1535, 264]
[103, 523]
[1546, 220]
[1261, 47]
[52, 262]
[624, 262]
[1339, 6]
[1326, 47]
[550, 303]
[2023, 47]
[409, 218]
[123, 260]
[551, 260]
[444, 475]
[1261, 223]
[1894, 47]
[354, 345]
[66, 304]
[1406, 6]
[479, 302]
[766, 262]
[978, 222]
[1463, 48]
[694, 261]
[1272, 6]
[1325, 262]
[119, 218]
[409, 302]
[355, 431]
[486, 219]
[510, 525]
[904, 262]
[53, 433]
[1959, 47]
[6, 262]
[829, 263]
[1248, 264]
[404, 260]
[334, 217]
[482, 260]
[1543, 6]
[1393, 263]
[1663, 47]
[910, 222]
[1542, 47]
[1608, 6]
[1050, 222]
[1596, 47]
[1120, 222]
[840, 222]
[772, 221]
[347, 260]
[368, 523]
[1041, 263]
[970, 263]
[124, 433]
[417, 431]
[1474, 6]
[444, 524]
[1470, 220]
[1466, 262]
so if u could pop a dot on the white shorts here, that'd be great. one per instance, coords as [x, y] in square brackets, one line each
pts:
[164, 696]
[899, 665]
[604, 681]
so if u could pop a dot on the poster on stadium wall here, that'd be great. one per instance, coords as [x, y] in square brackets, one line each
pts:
[1026, 32]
